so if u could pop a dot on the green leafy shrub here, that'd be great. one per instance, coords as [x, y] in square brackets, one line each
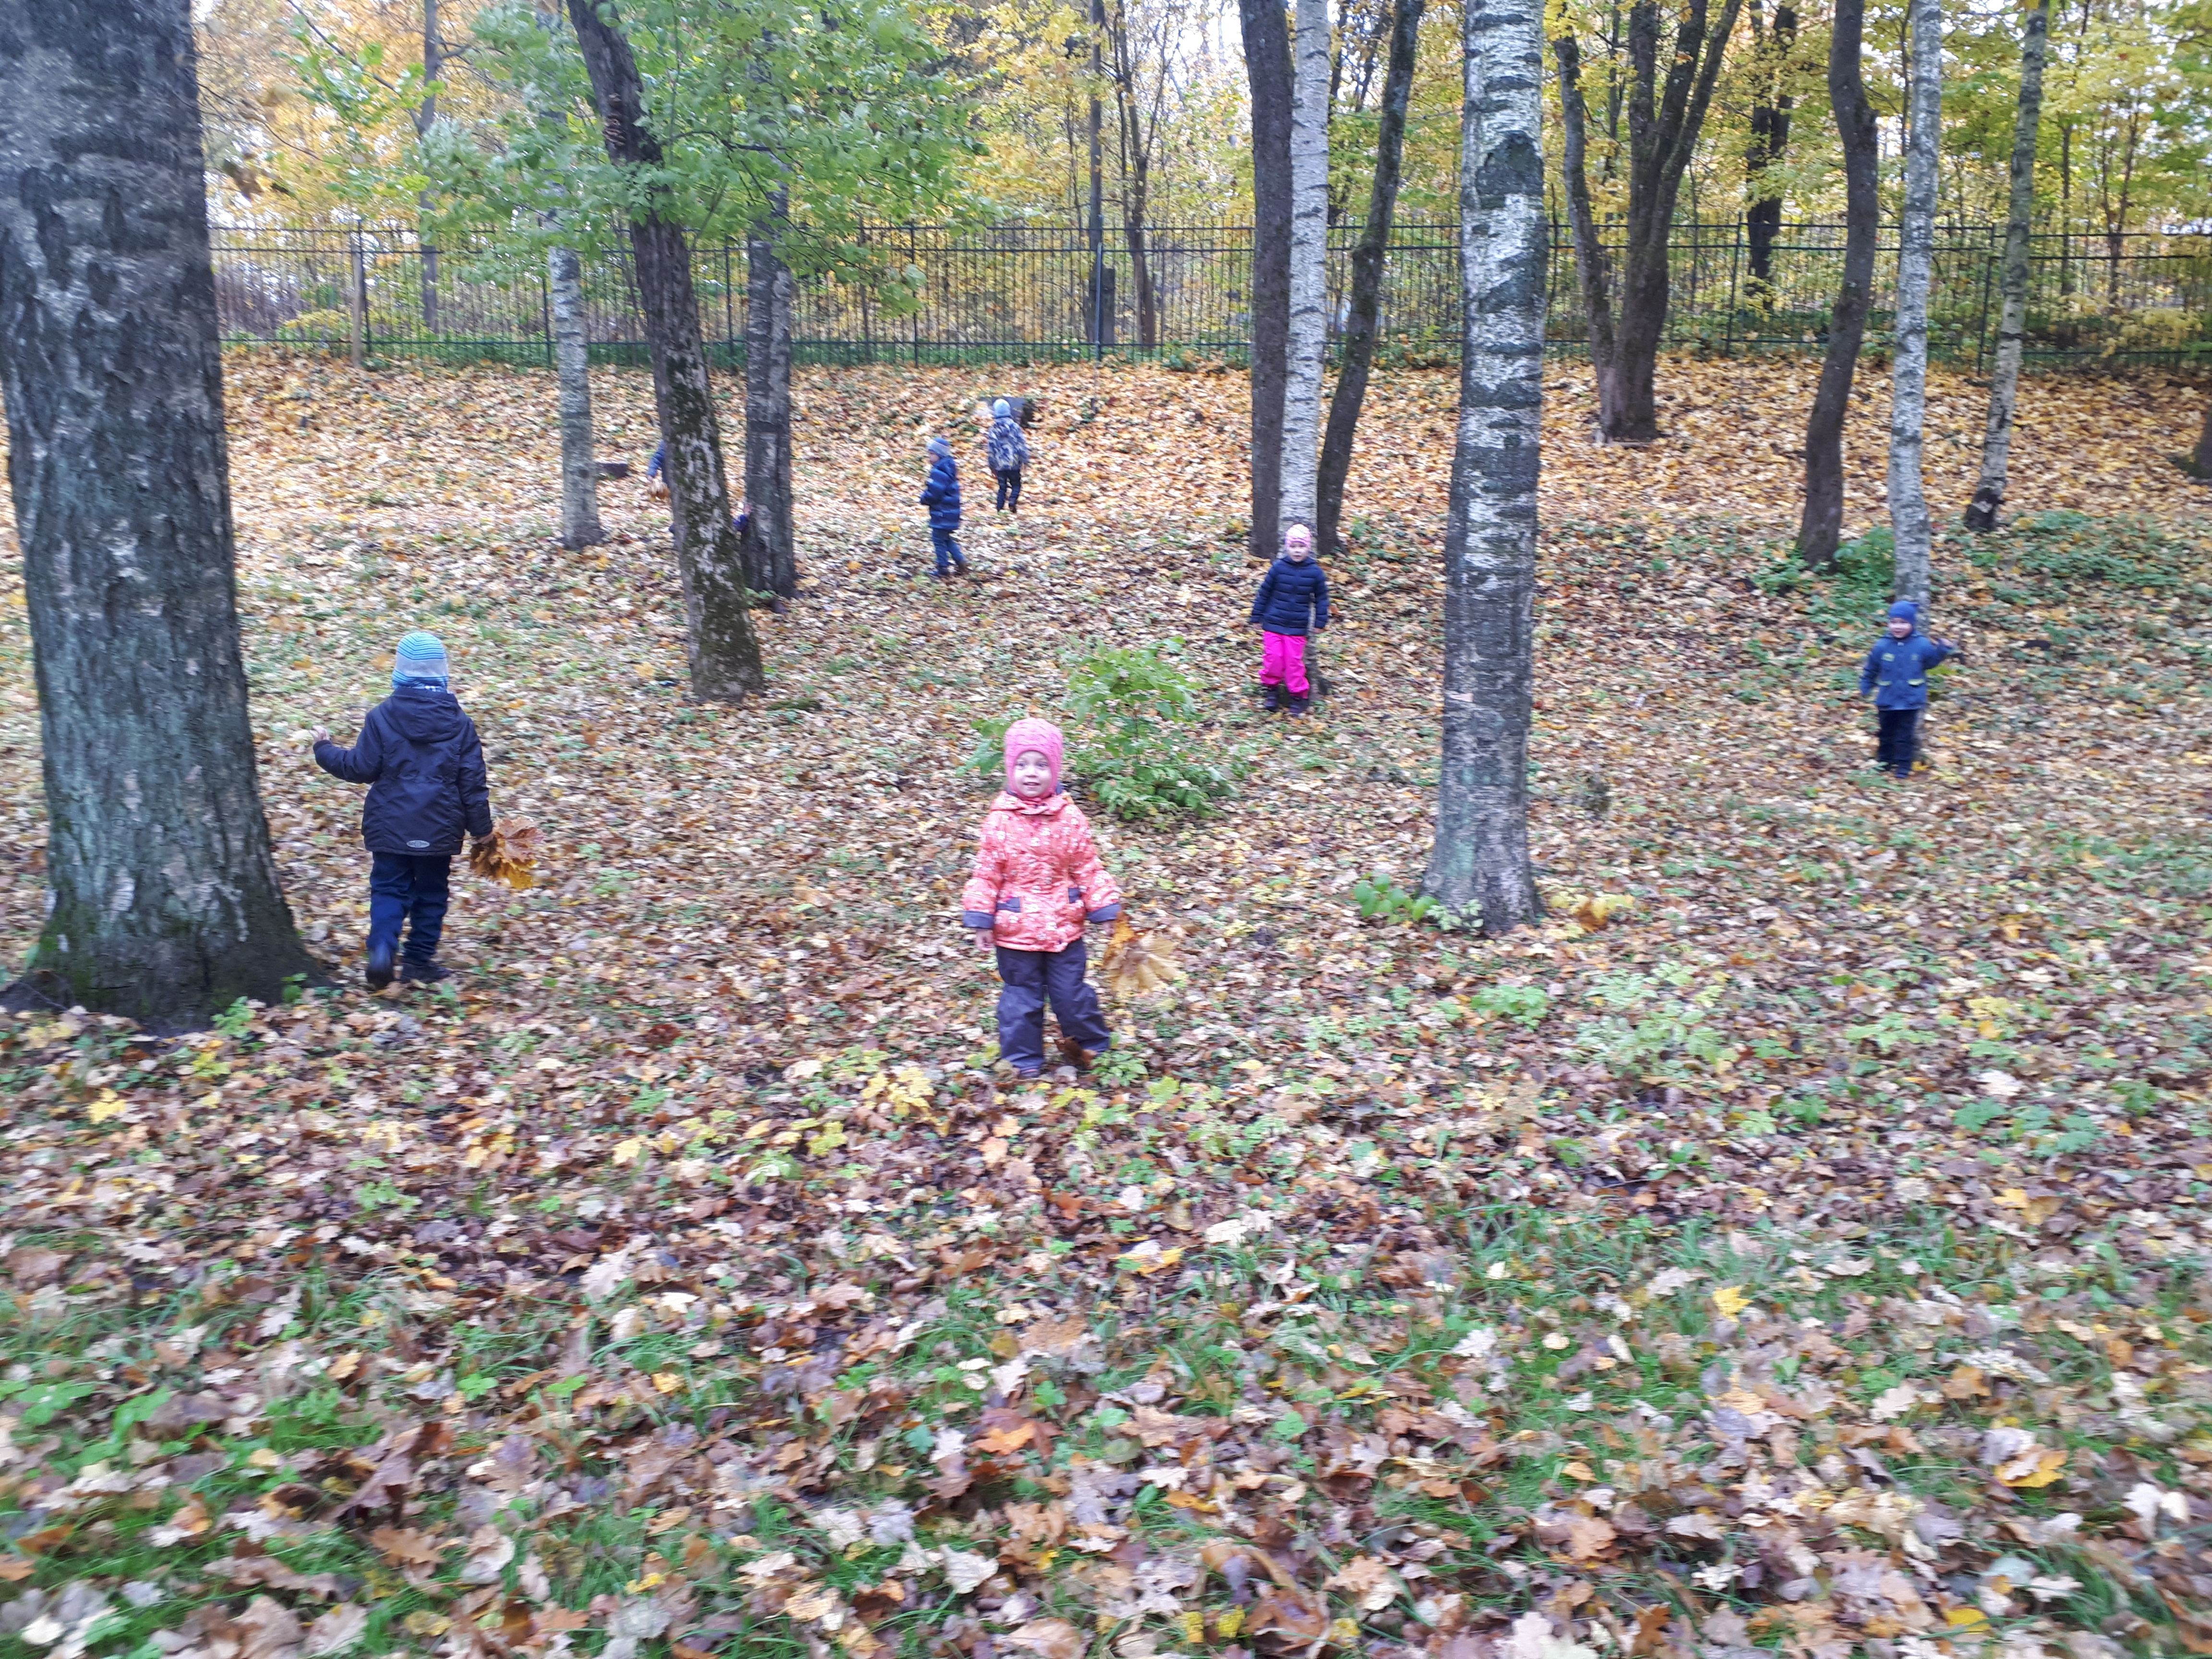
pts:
[1134, 762]
[1524, 1004]
[1377, 898]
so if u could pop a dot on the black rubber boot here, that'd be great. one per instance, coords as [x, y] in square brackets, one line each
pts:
[1300, 703]
[1270, 697]
[422, 973]
[378, 971]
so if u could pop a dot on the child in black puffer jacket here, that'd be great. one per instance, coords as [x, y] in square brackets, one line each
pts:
[1293, 601]
[425, 766]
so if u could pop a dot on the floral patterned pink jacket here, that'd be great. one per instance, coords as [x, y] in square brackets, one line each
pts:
[1037, 876]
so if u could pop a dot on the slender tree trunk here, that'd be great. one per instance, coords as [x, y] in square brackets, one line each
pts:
[2012, 278]
[1095, 231]
[580, 471]
[1910, 523]
[771, 555]
[1666, 107]
[162, 897]
[1309, 334]
[2200, 459]
[1819, 528]
[724, 651]
[1363, 312]
[1769, 143]
[1479, 868]
[1593, 269]
[433, 61]
[1267, 70]
[1140, 262]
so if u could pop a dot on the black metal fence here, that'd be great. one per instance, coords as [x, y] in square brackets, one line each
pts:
[1025, 291]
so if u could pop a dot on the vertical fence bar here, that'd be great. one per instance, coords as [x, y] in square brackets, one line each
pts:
[1735, 251]
[356, 303]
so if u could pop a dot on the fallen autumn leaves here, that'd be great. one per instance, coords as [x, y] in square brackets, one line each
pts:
[1794, 1245]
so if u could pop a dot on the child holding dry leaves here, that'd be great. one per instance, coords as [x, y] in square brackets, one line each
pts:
[425, 766]
[1037, 884]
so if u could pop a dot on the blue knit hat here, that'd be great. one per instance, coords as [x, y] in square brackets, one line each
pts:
[421, 661]
[1003, 409]
[940, 447]
[1905, 611]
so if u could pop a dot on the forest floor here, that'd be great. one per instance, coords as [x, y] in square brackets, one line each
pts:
[1805, 1255]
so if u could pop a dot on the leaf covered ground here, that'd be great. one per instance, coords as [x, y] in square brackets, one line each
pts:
[1795, 1244]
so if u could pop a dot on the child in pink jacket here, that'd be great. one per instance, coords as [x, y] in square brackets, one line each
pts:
[1037, 884]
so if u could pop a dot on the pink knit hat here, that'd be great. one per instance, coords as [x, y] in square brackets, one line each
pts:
[1040, 735]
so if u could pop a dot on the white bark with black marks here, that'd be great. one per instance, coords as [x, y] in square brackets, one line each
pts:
[770, 554]
[1308, 307]
[2012, 276]
[723, 649]
[580, 471]
[162, 892]
[1909, 521]
[1479, 868]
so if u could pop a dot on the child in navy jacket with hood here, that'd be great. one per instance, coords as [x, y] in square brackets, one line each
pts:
[425, 766]
[1293, 598]
[941, 495]
[1896, 674]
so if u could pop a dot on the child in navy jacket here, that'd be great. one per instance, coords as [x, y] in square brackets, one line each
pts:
[425, 766]
[1293, 598]
[1896, 674]
[941, 495]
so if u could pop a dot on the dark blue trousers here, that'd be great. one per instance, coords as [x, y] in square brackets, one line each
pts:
[1031, 979]
[410, 890]
[1898, 744]
[1009, 490]
[948, 551]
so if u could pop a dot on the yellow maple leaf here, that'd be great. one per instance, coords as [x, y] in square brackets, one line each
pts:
[1135, 964]
[108, 1105]
[2039, 1467]
[1730, 1300]
[627, 1151]
[668, 1382]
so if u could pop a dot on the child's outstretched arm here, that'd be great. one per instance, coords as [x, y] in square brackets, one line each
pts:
[979, 900]
[1102, 894]
[362, 764]
[475, 788]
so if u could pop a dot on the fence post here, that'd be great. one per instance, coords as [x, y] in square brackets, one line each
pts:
[1982, 343]
[1735, 254]
[356, 302]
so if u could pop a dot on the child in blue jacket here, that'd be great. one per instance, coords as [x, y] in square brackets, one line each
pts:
[425, 766]
[1896, 673]
[941, 495]
[1292, 600]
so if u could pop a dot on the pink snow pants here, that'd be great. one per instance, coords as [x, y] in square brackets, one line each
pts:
[1283, 662]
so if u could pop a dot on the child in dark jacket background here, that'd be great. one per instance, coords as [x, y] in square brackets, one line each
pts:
[941, 495]
[1896, 672]
[425, 766]
[1293, 598]
[1008, 452]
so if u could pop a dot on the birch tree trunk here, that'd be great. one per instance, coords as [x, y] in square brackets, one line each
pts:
[162, 897]
[1909, 519]
[1364, 308]
[771, 558]
[723, 649]
[580, 471]
[2012, 278]
[1309, 321]
[1267, 70]
[1819, 526]
[1479, 868]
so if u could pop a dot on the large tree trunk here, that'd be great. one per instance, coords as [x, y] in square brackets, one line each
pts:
[579, 472]
[1479, 868]
[1593, 267]
[1267, 71]
[2200, 459]
[162, 898]
[1666, 114]
[1309, 334]
[1820, 529]
[771, 555]
[724, 652]
[1769, 143]
[1910, 523]
[1363, 312]
[2012, 277]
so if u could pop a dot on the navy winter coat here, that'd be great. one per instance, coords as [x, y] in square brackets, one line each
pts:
[1896, 671]
[941, 494]
[1006, 449]
[1291, 591]
[425, 766]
